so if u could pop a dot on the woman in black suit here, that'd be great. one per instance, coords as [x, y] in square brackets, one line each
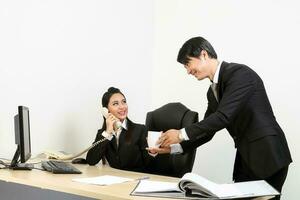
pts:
[125, 147]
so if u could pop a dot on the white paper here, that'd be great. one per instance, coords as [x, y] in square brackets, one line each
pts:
[152, 138]
[103, 180]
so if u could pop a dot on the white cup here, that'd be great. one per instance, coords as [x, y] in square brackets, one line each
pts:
[152, 138]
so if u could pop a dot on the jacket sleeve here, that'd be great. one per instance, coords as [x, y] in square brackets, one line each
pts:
[193, 144]
[238, 87]
[95, 154]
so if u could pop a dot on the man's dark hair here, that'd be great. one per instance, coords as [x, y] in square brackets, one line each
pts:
[193, 48]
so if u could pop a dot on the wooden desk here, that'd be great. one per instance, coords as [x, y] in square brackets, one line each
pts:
[62, 186]
[42, 180]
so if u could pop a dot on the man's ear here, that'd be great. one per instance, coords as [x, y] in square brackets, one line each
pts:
[203, 54]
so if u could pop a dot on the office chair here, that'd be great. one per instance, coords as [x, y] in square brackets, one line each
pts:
[172, 116]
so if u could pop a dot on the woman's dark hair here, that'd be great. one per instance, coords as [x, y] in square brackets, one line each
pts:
[107, 95]
[193, 48]
[105, 100]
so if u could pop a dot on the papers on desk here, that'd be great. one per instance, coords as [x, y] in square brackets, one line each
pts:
[103, 180]
[193, 186]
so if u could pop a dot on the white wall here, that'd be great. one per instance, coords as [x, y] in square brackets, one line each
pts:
[59, 57]
[261, 34]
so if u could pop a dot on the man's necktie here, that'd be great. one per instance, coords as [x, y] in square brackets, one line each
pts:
[214, 89]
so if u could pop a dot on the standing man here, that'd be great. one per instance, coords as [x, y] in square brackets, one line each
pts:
[237, 101]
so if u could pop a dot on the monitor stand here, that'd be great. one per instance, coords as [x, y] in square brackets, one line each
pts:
[22, 166]
[16, 165]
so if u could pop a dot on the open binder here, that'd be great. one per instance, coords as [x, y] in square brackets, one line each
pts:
[193, 186]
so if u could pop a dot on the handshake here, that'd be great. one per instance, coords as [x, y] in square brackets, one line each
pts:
[159, 142]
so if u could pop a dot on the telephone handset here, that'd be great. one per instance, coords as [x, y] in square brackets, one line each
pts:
[104, 112]
[61, 156]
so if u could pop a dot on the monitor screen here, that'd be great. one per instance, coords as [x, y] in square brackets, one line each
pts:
[22, 137]
[24, 126]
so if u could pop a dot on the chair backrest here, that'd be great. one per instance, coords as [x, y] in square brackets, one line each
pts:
[172, 116]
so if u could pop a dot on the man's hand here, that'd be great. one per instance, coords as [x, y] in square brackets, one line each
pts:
[169, 137]
[159, 150]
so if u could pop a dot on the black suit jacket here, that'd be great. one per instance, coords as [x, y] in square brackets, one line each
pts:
[127, 155]
[245, 111]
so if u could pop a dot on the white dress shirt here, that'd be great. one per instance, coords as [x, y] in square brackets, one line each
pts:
[115, 133]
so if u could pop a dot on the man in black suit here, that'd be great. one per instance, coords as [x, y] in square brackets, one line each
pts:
[237, 101]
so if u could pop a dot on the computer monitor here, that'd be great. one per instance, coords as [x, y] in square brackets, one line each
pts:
[22, 139]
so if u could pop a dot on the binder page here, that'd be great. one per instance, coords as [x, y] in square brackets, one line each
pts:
[147, 186]
[199, 184]
[246, 189]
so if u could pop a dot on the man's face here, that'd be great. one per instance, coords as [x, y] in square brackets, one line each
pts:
[197, 67]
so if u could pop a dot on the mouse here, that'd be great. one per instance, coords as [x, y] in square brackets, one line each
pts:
[79, 161]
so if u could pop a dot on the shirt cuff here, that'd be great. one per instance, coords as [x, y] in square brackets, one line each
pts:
[107, 136]
[152, 154]
[184, 135]
[176, 149]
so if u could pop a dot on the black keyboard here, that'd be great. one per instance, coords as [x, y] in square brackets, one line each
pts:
[59, 167]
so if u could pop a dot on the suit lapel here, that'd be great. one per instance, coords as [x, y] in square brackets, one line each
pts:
[219, 86]
[223, 68]
[114, 143]
[122, 138]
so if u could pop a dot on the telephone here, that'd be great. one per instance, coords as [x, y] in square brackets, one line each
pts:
[117, 124]
[56, 155]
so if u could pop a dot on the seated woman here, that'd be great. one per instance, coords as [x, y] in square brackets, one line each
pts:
[125, 148]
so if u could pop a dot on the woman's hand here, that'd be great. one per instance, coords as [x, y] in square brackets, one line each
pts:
[110, 120]
[158, 150]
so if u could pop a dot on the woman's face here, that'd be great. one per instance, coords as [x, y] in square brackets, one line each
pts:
[117, 106]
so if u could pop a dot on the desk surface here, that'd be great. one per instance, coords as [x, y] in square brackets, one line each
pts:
[64, 183]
